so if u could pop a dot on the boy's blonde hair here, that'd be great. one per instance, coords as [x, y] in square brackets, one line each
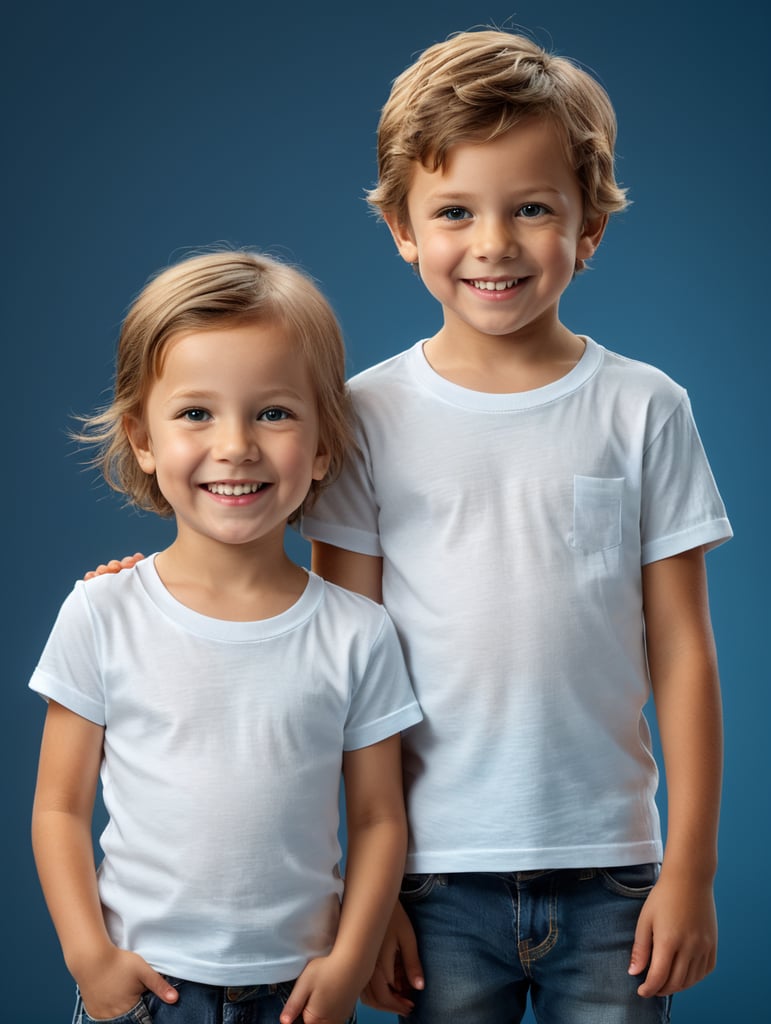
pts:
[474, 87]
[203, 292]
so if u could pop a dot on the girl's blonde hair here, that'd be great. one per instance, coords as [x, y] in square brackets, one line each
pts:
[200, 293]
[474, 87]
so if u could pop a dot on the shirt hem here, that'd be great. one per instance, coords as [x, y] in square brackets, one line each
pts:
[623, 855]
[215, 974]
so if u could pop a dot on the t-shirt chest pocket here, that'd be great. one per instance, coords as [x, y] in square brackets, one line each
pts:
[597, 503]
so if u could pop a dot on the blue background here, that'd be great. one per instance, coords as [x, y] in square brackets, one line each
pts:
[134, 131]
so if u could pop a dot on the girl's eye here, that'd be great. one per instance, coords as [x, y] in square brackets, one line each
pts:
[531, 210]
[455, 213]
[273, 415]
[195, 415]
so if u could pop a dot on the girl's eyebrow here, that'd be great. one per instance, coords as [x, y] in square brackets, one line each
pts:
[270, 394]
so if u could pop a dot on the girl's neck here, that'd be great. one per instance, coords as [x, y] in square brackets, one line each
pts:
[238, 583]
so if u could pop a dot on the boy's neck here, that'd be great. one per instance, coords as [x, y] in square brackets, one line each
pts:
[236, 583]
[505, 364]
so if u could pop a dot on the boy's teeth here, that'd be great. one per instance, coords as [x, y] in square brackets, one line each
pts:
[233, 489]
[494, 286]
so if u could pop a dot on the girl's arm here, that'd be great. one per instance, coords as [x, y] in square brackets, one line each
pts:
[677, 931]
[111, 980]
[327, 990]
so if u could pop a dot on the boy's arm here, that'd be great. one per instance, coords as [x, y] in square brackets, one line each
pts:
[363, 574]
[111, 981]
[676, 936]
[398, 967]
[327, 990]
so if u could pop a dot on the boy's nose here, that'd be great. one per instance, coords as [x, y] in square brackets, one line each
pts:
[494, 240]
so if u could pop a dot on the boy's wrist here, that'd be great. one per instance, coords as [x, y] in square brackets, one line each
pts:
[86, 960]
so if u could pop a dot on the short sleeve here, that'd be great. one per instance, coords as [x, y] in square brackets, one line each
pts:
[681, 505]
[346, 513]
[68, 671]
[383, 702]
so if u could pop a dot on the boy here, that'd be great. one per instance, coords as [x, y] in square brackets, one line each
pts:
[533, 511]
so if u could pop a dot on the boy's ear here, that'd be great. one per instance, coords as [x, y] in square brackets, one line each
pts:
[402, 235]
[591, 235]
[140, 442]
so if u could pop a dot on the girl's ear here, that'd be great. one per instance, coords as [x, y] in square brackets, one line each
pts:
[140, 442]
[402, 235]
[321, 465]
[591, 235]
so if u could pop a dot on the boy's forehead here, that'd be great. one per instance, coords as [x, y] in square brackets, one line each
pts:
[530, 153]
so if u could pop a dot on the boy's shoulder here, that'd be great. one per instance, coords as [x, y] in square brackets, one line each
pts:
[634, 368]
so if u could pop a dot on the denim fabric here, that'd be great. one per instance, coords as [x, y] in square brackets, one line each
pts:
[563, 938]
[205, 1004]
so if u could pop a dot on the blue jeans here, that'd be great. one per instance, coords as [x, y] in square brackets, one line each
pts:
[486, 941]
[205, 1004]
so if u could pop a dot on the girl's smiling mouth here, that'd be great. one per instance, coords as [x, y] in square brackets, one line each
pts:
[234, 490]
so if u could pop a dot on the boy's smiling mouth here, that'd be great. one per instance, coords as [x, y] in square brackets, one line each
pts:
[494, 286]
[235, 490]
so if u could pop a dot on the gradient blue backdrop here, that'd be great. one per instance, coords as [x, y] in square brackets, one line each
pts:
[136, 130]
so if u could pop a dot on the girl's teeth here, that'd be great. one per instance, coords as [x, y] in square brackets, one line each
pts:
[233, 489]
[494, 286]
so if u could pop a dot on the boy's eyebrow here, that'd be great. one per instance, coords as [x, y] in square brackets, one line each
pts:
[458, 197]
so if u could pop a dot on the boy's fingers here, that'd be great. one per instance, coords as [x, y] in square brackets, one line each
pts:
[114, 565]
[381, 995]
[157, 984]
[294, 1005]
[410, 961]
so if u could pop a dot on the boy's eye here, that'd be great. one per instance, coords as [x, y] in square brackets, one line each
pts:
[530, 210]
[195, 415]
[273, 415]
[455, 213]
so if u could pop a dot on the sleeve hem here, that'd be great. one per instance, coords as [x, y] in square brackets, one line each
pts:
[707, 535]
[390, 725]
[346, 537]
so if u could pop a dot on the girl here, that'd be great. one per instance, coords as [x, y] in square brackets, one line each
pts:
[217, 686]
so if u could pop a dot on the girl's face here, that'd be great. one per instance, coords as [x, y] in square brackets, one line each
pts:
[231, 431]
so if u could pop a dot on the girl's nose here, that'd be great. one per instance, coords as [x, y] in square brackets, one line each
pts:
[237, 442]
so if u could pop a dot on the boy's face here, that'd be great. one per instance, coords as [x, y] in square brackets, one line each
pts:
[231, 430]
[496, 233]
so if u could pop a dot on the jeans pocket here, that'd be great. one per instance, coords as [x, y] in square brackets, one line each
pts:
[634, 881]
[417, 887]
[597, 503]
[138, 1014]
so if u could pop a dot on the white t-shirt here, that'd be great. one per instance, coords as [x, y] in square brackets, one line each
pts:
[222, 756]
[513, 528]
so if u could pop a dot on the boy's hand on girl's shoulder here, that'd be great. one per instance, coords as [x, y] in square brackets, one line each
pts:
[323, 994]
[114, 565]
[398, 971]
[676, 936]
[115, 982]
